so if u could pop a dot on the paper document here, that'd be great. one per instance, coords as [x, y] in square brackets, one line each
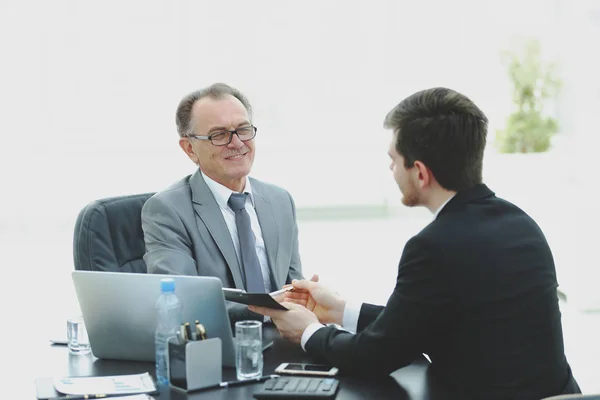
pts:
[254, 299]
[109, 385]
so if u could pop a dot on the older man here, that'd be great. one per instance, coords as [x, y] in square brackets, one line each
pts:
[219, 221]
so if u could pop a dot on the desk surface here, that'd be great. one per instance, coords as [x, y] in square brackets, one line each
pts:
[413, 377]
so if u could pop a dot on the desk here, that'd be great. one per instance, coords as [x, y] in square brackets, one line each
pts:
[413, 377]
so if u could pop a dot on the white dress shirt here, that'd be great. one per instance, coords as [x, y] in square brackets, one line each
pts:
[351, 310]
[222, 194]
[435, 214]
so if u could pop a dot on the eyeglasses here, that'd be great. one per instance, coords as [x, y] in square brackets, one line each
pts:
[223, 138]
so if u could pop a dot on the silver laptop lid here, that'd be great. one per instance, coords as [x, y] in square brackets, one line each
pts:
[119, 311]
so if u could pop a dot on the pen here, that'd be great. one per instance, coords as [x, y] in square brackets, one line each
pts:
[224, 385]
[93, 396]
[183, 333]
[188, 331]
[280, 291]
[268, 345]
[200, 331]
[247, 382]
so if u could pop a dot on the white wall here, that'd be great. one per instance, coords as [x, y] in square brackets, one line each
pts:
[89, 89]
[88, 92]
[580, 55]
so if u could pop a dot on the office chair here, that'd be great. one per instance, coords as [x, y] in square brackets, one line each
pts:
[108, 235]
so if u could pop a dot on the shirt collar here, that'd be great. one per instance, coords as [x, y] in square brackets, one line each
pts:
[223, 193]
[442, 206]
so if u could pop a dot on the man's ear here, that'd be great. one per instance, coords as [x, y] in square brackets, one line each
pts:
[425, 176]
[186, 145]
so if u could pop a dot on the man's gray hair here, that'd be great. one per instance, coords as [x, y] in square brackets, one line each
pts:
[183, 116]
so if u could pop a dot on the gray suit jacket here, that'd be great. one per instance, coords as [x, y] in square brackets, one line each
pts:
[185, 234]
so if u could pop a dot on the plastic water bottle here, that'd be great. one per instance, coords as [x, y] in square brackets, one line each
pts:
[168, 320]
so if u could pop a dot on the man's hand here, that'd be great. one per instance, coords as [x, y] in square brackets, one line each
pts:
[325, 304]
[298, 297]
[292, 323]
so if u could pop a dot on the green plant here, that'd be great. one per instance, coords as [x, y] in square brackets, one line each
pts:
[528, 129]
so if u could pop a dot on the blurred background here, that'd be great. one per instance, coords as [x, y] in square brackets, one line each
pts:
[88, 92]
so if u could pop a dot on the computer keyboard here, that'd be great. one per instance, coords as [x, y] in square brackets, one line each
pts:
[295, 387]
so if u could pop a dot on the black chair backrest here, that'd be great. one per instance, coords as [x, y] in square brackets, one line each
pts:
[109, 237]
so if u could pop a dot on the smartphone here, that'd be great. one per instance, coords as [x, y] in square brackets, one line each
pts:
[306, 369]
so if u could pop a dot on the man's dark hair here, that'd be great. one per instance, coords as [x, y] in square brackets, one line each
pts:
[445, 131]
[183, 116]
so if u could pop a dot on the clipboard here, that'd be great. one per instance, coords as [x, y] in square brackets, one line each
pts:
[252, 299]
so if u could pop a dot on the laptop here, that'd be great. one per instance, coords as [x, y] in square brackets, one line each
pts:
[119, 311]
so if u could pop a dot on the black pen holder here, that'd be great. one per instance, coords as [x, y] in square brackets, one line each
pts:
[195, 364]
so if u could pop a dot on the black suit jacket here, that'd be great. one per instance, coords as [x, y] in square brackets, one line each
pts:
[476, 291]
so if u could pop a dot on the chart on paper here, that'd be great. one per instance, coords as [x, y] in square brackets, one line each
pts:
[109, 385]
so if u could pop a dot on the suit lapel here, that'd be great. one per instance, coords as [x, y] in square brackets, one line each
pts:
[208, 210]
[268, 226]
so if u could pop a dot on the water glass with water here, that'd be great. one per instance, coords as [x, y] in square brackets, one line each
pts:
[77, 338]
[249, 356]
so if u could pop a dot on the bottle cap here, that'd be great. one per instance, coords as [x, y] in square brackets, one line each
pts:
[167, 285]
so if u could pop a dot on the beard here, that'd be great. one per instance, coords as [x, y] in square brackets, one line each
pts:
[410, 194]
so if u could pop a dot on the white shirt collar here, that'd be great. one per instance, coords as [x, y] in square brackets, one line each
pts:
[223, 193]
[435, 214]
